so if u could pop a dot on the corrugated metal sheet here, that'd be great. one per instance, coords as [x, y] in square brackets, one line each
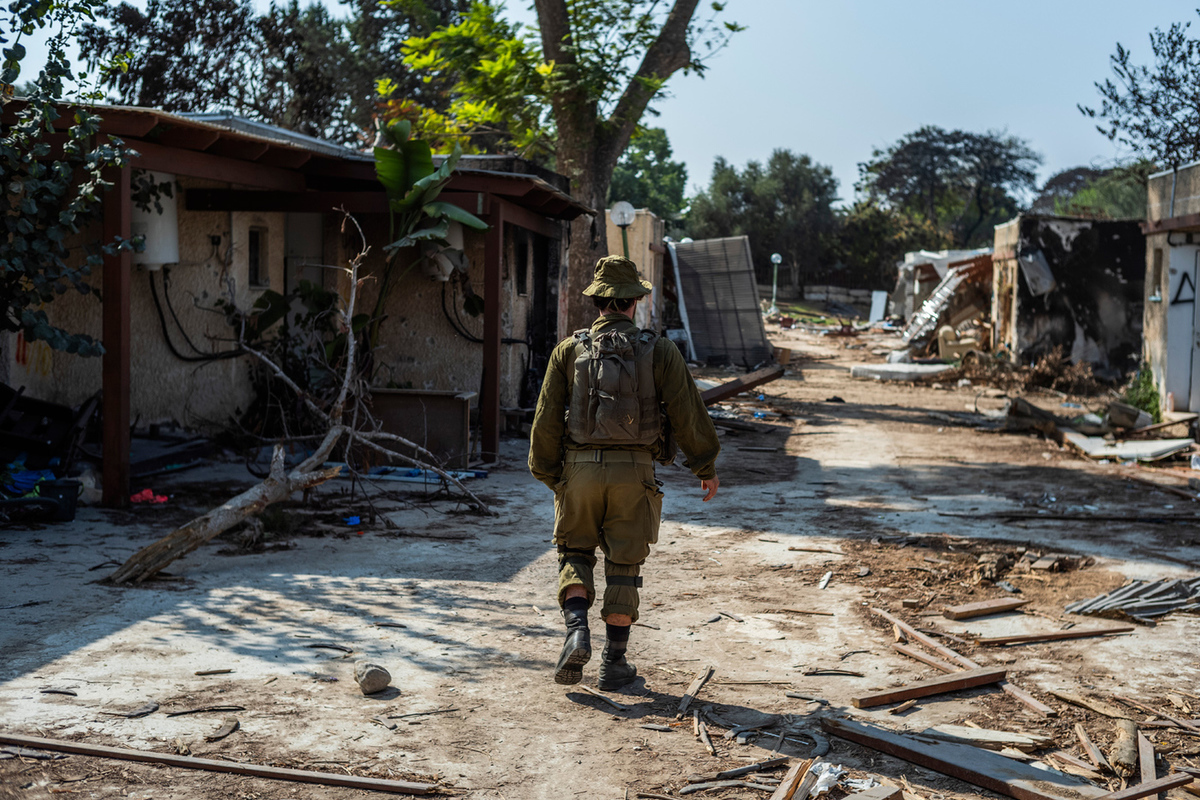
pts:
[717, 277]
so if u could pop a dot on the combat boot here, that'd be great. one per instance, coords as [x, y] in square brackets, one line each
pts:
[577, 649]
[615, 670]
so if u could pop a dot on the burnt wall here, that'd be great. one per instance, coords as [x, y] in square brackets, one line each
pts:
[1094, 311]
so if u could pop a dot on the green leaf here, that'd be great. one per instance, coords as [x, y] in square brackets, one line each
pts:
[436, 232]
[440, 208]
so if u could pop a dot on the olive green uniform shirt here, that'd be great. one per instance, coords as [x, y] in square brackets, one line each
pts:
[692, 427]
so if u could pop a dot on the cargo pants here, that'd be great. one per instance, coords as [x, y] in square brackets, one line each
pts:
[611, 500]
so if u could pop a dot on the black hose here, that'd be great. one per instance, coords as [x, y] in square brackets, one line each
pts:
[461, 327]
[167, 334]
[166, 284]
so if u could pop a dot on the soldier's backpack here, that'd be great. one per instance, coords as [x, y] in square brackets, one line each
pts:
[613, 397]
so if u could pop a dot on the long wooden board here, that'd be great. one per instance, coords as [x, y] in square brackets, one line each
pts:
[212, 765]
[1013, 691]
[983, 608]
[951, 682]
[1153, 787]
[972, 764]
[1147, 766]
[742, 384]
[1054, 636]
[925, 658]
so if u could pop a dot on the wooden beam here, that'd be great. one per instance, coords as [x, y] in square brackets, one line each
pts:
[984, 607]
[218, 168]
[925, 658]
[1185, 222]
[953, 682]
[187, 138]
[972, 764]
[1053, 636]
[529, 220]
[1089, 747]
[116, 312]
[1147, 789]
[693, 690]
[251, 200]
[1015, 692]
[241, 149]
[212, 765]
[1147, 765]
[493, 286]
[286, 157]
[742, 384]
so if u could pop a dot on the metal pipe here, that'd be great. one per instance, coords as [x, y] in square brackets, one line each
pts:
[687, 329]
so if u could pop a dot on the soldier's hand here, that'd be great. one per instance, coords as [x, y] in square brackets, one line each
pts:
[710, 487]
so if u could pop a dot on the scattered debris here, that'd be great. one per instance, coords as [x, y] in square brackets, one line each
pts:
[1031, 638]
[141, 711]
[693, 690]
[206, 710]
[230, 725]
[1143, 599]
[983, 608]
[610, 701]
[58, 690]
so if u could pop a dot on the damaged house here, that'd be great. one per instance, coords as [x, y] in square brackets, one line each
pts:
[1172, 315]
[1070, 283]
[254, 208]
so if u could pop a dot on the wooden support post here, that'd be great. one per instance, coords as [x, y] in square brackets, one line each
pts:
[493, 275]
[118, 211]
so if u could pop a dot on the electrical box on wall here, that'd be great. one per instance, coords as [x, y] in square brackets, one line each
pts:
[159, 232]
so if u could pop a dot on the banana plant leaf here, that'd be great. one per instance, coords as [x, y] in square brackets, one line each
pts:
[440, 208]
[405, 164]
[435, 233]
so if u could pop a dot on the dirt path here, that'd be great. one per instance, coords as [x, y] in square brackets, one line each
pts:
[874, 478]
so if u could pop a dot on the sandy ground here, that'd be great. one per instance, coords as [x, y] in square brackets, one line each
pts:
[907, 503]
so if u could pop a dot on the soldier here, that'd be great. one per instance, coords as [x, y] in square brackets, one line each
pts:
[614, 401]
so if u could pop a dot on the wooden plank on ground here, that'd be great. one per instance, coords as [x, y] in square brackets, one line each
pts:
[952, 682]
[1013, 691]
[1147, 789]
[1054, 636]
[1099, 706]
[693, 689]
[879, 793]
[786, 789]
[212, 765]
[1147, 768]
[989, 739]
[925, 658]
[741, 384]
[980, 767]
[1089, 747]
[983, 608]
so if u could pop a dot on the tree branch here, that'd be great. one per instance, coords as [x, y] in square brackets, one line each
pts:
[669, 54]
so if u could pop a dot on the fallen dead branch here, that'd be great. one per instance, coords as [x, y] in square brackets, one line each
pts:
[280, 484]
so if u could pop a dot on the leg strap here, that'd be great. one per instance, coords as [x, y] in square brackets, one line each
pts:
[624, 580]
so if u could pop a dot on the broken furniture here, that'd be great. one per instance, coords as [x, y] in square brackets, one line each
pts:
[40, 434]
[952, 345]
[439, 421]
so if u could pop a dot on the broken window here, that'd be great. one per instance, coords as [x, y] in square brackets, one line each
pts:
[256, 257]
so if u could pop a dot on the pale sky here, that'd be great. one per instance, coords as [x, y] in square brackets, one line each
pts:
[835, 79]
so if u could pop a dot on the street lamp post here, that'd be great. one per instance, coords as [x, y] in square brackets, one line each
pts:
[623, 213]
[776, 260]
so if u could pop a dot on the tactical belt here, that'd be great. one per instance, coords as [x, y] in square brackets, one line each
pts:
[610, 456]
[624, 580]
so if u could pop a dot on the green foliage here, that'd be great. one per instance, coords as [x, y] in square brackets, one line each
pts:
[1113, 194]
[961, 182]
[294, 66]
[52, 192]
[785, 207]
[647, 177]
[1142, 393]
[497, 97]
[405, 168]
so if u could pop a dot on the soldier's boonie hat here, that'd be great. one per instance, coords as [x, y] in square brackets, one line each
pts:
[617, 277]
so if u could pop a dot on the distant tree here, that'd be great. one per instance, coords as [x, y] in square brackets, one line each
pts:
[785, 207]
[1154, 110]
[647, 177]
[1062, 186]
[1118, 193]
[960, 182]
[871, 239]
